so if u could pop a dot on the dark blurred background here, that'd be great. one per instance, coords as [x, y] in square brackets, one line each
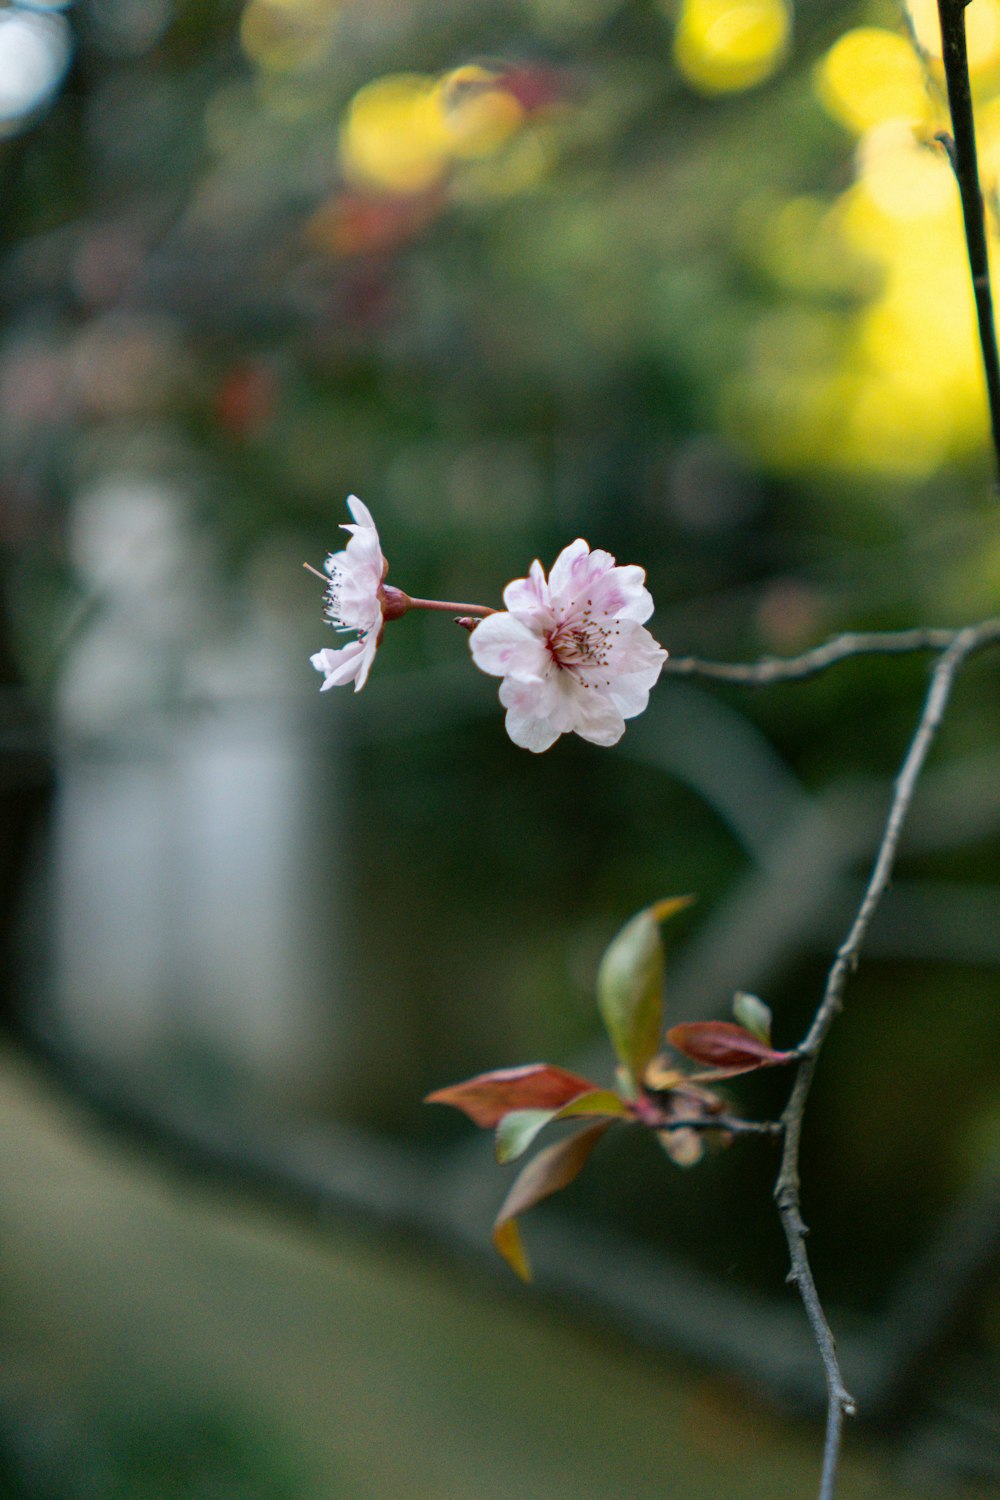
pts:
[688, 280]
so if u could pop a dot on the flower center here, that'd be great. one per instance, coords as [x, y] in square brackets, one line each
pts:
[581, 641]
[349, 617]
[333, 601]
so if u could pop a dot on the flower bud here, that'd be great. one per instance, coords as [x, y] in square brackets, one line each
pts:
[394, 601]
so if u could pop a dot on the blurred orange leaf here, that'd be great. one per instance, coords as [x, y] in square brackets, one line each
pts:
[547, 1173]
[489, 1096]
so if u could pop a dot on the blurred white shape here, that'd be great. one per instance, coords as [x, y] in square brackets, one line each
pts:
[143, 568]
[197, 881]
[112, 886]
[127, 536]
[255, 957]
[35, 50]
[196, 902]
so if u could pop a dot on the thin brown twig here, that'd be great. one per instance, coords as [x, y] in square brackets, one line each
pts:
[771, 669]
[787, 1193]
[731, 1124]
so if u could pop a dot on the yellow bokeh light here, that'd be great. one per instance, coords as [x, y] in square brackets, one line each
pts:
[903, 177]
[721, 46]
[521, 167]
[479, 115]
[982, 30]
[891, 385]
[801, 245]
[871, 76]
[393, 136]
[286, 35]
[988, 139]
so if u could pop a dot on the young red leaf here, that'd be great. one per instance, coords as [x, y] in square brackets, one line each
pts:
[489, 1096]
[548, 1172]
[726, 1046]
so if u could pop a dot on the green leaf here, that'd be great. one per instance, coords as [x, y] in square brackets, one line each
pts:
[597, 1102]
[518, 1129]
[630, 986]
[547, 1173]
[752, 1013]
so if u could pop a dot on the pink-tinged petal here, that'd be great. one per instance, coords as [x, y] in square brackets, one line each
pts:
[528, 598]
[502, 646]
[573, 654]
[573, 569]
[637, 651]
[637, 664]
[620, 593]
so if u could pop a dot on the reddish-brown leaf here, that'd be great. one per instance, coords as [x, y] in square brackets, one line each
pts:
[489, 1096]
[724, 1045]
[548, 1172]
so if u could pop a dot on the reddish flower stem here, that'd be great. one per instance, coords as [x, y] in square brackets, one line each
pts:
[451, 609]
[408, 602]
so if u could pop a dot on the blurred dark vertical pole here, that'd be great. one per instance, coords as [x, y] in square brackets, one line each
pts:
[26, 786]
[962, 152]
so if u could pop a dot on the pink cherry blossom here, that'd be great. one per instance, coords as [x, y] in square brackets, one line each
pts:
[354, 599]
[572, 650]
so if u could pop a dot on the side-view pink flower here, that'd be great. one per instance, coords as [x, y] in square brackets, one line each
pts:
[572, 650]
[354, 602]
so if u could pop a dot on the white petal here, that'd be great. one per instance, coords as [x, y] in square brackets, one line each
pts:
[530, 708]
[640, 601]
[502, 645]
[528, 598]
[633, 666]
[592, 714]
[358, 603]
[535, 735]
[640, 658]
[341, 667]
[361, 513]
[602, 725]
[369, 645]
